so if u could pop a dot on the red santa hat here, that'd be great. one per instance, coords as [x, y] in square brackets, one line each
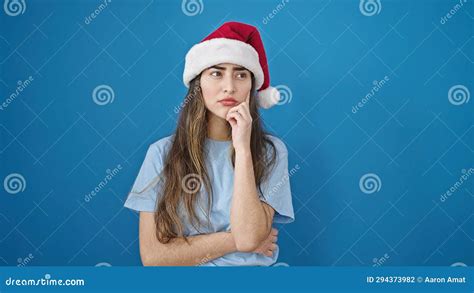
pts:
[237, 43]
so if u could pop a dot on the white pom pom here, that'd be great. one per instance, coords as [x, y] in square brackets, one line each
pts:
[268, 97]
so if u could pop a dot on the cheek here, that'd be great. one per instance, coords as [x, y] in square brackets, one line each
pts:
[245, 88]
[210, 95]
[209, 90]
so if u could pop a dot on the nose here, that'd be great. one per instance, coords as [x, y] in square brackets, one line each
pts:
[228, 84]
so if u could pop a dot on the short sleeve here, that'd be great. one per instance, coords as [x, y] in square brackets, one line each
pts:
[275, 190]
[148, 183]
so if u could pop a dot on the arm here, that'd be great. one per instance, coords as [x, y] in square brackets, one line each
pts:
[251, 220]
[177, 252]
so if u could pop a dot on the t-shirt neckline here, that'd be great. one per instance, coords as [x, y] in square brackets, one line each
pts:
[218, 141]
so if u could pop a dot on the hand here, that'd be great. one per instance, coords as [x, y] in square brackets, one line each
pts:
[268, 246]
[241, 121]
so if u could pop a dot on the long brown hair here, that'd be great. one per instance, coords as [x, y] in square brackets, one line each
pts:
[184, 168]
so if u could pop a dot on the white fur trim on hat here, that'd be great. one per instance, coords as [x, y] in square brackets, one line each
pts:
[221, 50]
[268, 97]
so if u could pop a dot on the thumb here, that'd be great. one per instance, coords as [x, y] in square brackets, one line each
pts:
[232, 122]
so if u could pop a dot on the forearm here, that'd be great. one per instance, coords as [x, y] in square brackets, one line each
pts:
[201, 248]
[247, 217]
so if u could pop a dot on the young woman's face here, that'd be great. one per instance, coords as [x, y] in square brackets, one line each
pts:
[225, 81]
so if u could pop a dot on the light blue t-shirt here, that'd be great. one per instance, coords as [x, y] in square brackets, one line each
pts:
[276, 192]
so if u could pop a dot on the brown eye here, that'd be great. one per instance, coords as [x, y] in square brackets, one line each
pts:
[215, 73]
[242, 75]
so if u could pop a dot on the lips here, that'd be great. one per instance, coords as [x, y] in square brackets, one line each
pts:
[228, 102]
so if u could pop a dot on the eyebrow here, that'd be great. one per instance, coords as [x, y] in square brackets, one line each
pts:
[235, 68]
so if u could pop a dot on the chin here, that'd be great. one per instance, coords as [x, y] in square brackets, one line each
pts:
[221, 113]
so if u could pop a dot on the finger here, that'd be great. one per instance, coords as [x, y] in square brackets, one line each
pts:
[232, 110]
[274, 239]
[232, 119]
[237, 109]
[269, 253]
[241, 118]
[232, 123]
[233, 114]
[244, 110]
[273, 247]
[274, 232]
[241, 109]
[245, 104]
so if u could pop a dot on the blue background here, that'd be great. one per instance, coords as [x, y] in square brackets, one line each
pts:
[328, 53]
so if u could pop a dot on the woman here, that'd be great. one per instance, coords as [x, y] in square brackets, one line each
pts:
[219, 169]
